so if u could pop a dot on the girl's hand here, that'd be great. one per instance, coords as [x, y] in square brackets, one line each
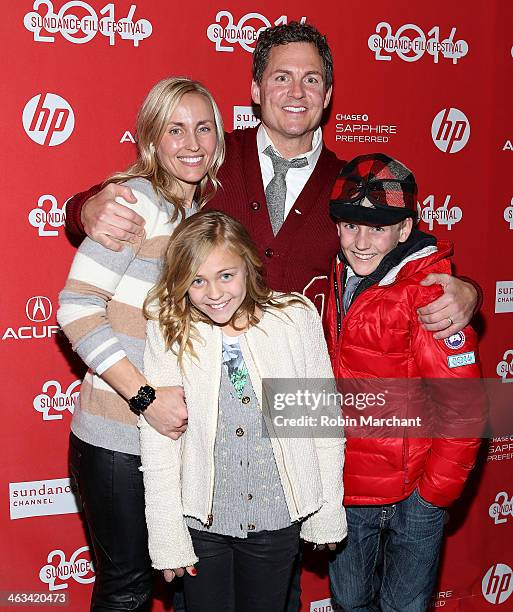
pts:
[331, 546]
[169, 574]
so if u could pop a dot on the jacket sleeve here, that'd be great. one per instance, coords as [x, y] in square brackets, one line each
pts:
[169, 541]
[327, 525]
[459, 409]
[74, 210]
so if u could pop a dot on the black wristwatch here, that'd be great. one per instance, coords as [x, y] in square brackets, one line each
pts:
[142, 400]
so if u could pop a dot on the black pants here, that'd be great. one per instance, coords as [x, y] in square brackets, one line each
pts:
[242, 575]
[112, 494]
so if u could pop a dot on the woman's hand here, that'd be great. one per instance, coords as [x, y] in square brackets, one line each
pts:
[168, 412]
[169, 574]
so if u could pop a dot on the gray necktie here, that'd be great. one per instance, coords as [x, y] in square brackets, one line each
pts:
[351, 285]
[276, 190]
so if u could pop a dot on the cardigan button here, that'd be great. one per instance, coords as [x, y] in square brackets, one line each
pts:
[245, 400]
[251, 527]
[255, 205]
[250, 497]
[268, 253]
[239, 432]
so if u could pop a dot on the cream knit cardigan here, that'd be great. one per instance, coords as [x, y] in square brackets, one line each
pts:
[179, 474]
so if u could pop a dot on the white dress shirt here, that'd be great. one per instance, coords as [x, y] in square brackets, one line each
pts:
[296, 178]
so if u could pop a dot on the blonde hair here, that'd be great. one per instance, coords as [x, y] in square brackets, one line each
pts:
[189, 246]
[152, 121]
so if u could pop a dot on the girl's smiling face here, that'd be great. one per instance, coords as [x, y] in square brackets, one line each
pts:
[219, 287]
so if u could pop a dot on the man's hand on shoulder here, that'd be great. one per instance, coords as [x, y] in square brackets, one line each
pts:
[453, 310]
[109, 223]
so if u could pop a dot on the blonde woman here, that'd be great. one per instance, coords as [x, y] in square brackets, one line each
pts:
[226, 504]
[180, 148]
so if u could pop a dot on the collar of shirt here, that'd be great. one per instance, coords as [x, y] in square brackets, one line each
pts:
[296, 178]
[349, 273]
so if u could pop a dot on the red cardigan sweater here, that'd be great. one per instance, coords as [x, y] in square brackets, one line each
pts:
[298, 257]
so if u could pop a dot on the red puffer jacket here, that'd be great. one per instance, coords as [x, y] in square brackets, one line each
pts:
[382, 338]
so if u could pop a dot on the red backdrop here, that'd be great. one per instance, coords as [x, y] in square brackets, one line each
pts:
[429, 83]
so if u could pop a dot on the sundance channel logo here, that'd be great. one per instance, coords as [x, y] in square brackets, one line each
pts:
[42, 498]
[504, 296]
[244, 117]
[324, 605]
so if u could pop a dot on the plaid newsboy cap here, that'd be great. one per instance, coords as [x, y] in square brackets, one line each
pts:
[374, 189]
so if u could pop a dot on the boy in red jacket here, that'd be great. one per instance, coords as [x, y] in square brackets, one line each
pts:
[398, 481]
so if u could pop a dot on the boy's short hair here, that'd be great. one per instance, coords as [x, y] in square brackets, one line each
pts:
[374, 189]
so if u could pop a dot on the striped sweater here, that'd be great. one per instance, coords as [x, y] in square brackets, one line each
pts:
[101, 314]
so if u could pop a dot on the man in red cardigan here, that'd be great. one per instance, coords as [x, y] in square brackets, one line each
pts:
[292, 84]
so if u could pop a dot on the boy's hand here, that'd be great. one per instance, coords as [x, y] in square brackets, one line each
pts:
[453, 310]
[109, 223]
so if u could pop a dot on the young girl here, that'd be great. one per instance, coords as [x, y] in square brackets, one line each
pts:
[227, 502]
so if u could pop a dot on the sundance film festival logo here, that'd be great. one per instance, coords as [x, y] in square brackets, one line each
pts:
[46, 215]
[505, 367]
[58, 571]
[244, 117]
[497, 584]
[508, 215]
[78, 22]
[450, 130]
[410, 43]
[42, 498]
[443, 215]
[38, 311]
[225, 33]
[502, 508]
[48, 119]
[52, 402]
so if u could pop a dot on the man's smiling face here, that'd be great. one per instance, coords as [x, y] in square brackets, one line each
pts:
[292, 96]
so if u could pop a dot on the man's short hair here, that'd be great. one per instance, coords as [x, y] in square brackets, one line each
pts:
[292, 32]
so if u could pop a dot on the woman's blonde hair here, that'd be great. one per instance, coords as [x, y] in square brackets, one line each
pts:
[152, 121]
[189, 246]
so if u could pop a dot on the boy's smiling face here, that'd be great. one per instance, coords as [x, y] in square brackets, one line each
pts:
[365, 246]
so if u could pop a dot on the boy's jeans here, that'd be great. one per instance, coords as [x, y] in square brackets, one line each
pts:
[390, 559]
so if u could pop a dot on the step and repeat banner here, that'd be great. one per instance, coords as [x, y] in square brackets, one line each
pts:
[428, 83]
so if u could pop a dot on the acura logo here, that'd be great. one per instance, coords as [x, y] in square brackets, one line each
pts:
[38, 309]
